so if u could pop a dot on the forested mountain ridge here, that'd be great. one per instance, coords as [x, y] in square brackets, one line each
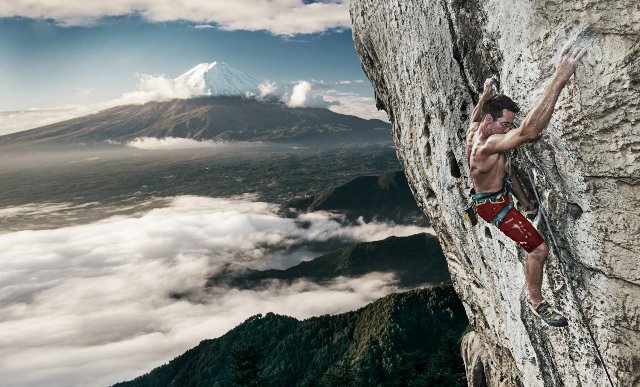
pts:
[416, 260]
[385, 197]
[405, 339]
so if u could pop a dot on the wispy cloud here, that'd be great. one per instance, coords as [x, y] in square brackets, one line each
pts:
[204, 27]
[83, 92]
[267, 88]
[157, 88]
[151, 143]
[19, 120]
[279, 17]
[94, 304]
[349, 81]
[354, 104]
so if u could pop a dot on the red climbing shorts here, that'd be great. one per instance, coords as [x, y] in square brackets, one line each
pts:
[514, 224]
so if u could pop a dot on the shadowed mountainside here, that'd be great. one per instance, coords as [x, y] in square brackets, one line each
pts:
[405, 339]
[385, 197]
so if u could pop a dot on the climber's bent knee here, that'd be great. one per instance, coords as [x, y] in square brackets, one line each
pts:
[539, 254]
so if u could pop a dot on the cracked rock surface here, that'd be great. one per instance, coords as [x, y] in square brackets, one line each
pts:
[427, 62]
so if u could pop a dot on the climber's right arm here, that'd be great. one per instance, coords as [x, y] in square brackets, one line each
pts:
[538, 119]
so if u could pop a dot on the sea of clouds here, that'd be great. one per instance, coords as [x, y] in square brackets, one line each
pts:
[92, 304]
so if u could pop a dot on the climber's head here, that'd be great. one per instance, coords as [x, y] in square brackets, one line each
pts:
[499, 112]
[496, 104]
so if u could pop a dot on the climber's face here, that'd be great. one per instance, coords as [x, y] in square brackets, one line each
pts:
[500, 125]
[505, 123]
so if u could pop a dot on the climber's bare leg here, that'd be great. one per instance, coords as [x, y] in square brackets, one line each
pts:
[533, 268]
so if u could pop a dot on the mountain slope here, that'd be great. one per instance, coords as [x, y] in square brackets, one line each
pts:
[209, 118]
[386, 197]
[405, 339]
[416, 260]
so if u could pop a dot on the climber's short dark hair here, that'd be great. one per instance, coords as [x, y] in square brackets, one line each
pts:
[496, 104]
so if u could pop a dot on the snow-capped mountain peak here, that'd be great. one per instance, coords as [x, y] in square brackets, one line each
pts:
[218, 78]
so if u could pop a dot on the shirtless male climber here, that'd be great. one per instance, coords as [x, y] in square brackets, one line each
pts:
[492, 134]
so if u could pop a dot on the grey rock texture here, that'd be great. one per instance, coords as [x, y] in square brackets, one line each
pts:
[427, 61]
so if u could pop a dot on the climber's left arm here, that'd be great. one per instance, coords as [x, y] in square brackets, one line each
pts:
[476, 115]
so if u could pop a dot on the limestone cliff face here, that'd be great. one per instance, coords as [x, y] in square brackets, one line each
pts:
[427, 61]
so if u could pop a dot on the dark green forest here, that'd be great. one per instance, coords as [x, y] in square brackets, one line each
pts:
[405, 339]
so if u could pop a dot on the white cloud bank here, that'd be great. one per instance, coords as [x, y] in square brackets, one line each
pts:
[279, 17]
[92, 305]
[267, 88]
[298, 96]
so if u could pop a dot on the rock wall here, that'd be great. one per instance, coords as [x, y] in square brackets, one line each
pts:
[427, 61]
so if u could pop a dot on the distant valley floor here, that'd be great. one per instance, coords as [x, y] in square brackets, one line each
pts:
[86, 184]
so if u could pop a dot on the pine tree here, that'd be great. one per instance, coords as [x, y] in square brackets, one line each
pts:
[245, 366]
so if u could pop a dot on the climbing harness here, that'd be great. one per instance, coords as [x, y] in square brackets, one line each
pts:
[493, 198]
[500, 215]
[558, 252]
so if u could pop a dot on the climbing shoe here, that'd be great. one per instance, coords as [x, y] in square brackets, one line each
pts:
[549, 315]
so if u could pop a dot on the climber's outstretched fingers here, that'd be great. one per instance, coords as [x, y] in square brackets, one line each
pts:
[565, 49]
[569, 61]
[579, 53]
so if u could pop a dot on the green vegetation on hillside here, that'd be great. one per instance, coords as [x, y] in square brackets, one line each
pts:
[405, 339]
[385, 197]
[416, 260]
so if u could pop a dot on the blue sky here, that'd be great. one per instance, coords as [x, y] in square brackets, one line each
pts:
[58, 61]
